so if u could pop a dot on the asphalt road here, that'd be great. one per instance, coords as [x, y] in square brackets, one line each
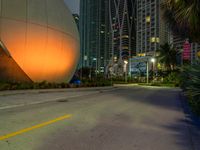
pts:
[127, 118]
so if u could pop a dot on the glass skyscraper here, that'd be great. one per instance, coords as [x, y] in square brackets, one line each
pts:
[94, 31]
[108, 31]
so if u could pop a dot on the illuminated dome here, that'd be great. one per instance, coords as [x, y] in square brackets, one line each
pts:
[41, 37]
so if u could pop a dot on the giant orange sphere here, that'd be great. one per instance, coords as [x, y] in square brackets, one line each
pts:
[42, 37]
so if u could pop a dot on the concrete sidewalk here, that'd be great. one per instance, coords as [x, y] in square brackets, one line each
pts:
[19, 98]
[16, 92]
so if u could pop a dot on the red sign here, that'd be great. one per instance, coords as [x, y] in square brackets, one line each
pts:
[186, 51]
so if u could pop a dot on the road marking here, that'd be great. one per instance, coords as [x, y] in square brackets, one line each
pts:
[34, 127]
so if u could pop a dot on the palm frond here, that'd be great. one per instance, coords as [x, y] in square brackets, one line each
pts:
[183, 16]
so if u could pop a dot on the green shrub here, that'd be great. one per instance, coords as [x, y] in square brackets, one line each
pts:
[172, 78]
[4, 86]
[195, 104]
[190, 83]
[46, 85]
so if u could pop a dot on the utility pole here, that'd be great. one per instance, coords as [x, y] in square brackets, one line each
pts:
[147, 71]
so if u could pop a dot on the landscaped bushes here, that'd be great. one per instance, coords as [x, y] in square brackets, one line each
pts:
[190, 83]
[95, 82]
[21, 86]
[46, 85]
[172, 78]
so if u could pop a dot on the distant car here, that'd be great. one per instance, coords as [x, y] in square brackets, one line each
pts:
[75, 80]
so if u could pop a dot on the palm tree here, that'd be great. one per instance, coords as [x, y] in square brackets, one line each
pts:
[167, 55]
[183, 16]
[190, 82]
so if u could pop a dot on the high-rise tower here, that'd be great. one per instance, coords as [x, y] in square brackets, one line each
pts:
[122, 15]
[152, 30]
[108, 32]
[93, 31]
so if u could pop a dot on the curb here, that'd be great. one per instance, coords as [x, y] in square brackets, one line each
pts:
[36, 91]
[192, 122]
[97, 91]
[187, 110]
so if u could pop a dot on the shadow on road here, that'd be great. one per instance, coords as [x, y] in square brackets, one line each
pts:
[160, 97]
[153, 119]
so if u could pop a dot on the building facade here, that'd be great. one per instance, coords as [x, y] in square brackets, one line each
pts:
[93, 32]
[152, 31]
[122, 15]
[108, 32]
[195, 52]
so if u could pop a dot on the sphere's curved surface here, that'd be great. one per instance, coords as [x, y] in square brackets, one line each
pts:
[41, 37]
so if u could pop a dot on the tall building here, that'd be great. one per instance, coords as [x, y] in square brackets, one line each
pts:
[152, 31]
[195, 52]
[122, 15]
[93, 32]
[108, 31]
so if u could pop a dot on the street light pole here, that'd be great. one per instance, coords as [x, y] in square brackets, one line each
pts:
[147, 71]
[126, 77]
[126, 63]
[153, 63]
[129, 71]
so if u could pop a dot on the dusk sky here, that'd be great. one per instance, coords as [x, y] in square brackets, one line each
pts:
[73, 5]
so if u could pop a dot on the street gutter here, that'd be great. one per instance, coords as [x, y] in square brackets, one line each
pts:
[193, 122]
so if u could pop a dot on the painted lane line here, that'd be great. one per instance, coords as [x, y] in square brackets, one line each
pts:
[34, 127]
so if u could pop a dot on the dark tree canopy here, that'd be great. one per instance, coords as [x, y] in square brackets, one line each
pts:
[183, 16]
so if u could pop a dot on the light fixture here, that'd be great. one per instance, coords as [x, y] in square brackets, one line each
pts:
[153, 60]
[126, 62]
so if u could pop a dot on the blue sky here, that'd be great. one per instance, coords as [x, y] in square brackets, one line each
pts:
[73, 5]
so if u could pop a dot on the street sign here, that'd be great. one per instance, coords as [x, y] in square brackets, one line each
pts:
[140, 59]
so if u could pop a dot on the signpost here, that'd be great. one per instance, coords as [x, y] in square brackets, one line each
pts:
[143, 59]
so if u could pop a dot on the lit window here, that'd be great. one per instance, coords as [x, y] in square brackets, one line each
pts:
[85, 57]
[141, 54]
[125, 36]
[198, 53]
[125, 47]
[148, 19]
[153, 39]
[158, 40]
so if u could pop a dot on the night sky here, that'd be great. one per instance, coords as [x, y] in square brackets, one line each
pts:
[73, 5]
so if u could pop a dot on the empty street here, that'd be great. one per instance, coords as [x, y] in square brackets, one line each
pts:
[120, 118]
